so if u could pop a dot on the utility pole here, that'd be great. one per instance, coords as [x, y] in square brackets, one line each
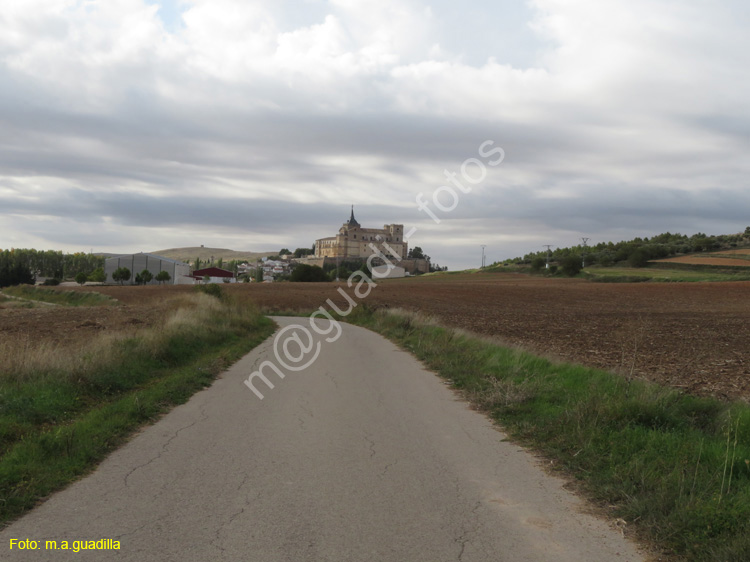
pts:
[483, 247]
[549, 251]
[585, 245]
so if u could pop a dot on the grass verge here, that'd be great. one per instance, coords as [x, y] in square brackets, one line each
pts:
[664, 273]
[63, 298]
[61, 413]
[675, 467]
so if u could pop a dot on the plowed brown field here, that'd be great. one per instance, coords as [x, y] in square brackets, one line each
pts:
[693, 336]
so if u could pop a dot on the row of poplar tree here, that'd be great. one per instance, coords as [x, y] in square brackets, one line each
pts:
[25, 265]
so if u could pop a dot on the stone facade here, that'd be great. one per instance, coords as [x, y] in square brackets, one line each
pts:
[353, 241]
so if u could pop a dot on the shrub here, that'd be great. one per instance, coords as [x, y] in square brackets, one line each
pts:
[606, 259]
[98, 275]
[639, 258]
[211, 289]
[51, 282]
[308, 273]
[81, 278]
[571, 265]
[538, 263]
[121, 274]
[146, 276]
[163, 277]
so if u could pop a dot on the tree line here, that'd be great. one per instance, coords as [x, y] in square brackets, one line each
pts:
[122, 274]
[638, 251]
[19, 266]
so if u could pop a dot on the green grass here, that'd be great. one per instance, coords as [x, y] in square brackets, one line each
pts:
[59, 297]
[725, 256]
[6, 302]
[674, 466]
[662, 273]
[61, 414]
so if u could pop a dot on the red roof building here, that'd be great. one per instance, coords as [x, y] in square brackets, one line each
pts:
[212, 272]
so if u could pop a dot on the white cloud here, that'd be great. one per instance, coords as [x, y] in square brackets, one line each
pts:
[327, 103]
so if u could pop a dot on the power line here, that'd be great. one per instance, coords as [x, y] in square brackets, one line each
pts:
[549, 251]
[583, 256]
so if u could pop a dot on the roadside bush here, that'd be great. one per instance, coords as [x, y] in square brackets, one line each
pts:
[51, 282]
[81, 278]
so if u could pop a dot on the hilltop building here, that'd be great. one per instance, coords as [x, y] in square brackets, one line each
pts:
[353, 241]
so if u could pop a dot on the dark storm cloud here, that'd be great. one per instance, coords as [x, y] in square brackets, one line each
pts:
[133, 209]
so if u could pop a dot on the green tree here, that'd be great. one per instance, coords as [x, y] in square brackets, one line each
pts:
[206, 279]
[13, 271]
[571, 265]
[81, 278]
[342, 272]
[259, 274]
[197, 263]
[284, 251]
[163, 277]
[121, 274]
[146, 276]
[538, 263]
[416, 253]
[98, 275]
[639, 258]
[308, 273]
[301, 252]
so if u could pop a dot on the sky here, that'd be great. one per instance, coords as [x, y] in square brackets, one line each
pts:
[139, 125]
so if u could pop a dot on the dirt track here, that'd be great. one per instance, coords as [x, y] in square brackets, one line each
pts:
[692, 336]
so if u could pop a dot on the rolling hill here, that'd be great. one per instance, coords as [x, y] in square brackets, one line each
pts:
[189, 254]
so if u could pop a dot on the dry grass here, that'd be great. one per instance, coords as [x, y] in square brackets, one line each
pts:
[25, 358]
[63, 406]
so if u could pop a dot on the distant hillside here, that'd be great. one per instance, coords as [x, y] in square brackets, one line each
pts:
[640, 251]
[189, 254]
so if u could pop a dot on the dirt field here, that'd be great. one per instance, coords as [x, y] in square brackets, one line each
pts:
[693, 336]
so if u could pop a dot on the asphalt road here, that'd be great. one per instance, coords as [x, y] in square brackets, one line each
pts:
[362, 456]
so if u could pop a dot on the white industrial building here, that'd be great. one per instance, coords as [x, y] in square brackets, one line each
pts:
[179, 272]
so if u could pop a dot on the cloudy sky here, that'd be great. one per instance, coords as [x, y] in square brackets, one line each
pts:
[138, 125]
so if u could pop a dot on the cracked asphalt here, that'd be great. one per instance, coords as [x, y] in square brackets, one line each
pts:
[363, 456]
